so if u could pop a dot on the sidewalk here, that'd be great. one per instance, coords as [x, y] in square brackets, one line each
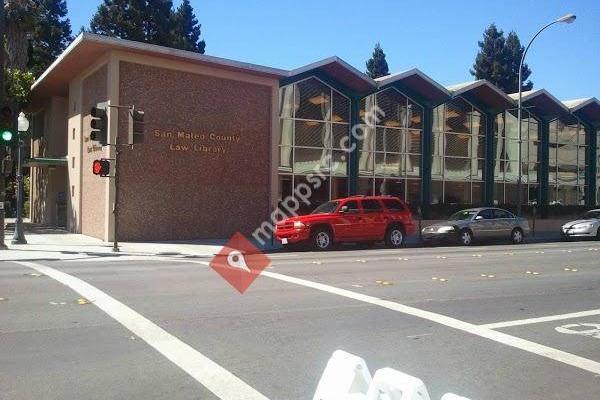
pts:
[55, 243]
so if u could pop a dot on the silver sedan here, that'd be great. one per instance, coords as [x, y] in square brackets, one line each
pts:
[588, 226]
[478, 223]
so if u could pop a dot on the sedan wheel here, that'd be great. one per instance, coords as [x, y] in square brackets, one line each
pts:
[466, 237]
[516, 236]
[394, 237]
[321, 239]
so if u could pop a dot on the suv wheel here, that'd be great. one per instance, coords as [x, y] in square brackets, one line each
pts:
[466, 237]
[516, 236]
[321, 239]
[394, 237]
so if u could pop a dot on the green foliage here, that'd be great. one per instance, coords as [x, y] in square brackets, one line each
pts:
[50, 36]
[187, 29]
[150, 21]
[498, 60]
[18, 85]
[377, 65]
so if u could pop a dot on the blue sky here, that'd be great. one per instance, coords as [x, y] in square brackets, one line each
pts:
[438, 37]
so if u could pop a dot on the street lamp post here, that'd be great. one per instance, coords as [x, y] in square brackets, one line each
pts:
[19, 235]
[568, 18]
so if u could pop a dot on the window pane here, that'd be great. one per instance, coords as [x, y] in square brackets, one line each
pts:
[286, 132]
[457, 193]
[285, 158]
[341, 108]
[317, 197]
[413, 165]
[458, 145]
[394, 105]
[393, 140]
[365, 186]
[380, 167]
[457, 119]
[365, 163]
[313, 134]
[339, 163]
[392, 164]
[457, 168]
[314, 100]
[341, 136]
[339, 188]
[413, 141]
[415, 116]
[310, 160]
[286, 101]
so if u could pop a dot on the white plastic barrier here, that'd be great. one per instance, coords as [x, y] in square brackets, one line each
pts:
[347, 377]
[391, 384]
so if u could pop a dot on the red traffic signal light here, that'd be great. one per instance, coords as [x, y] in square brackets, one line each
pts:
[101, 167]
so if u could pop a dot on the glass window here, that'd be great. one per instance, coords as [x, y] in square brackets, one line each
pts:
[314, 136]
[502, 214]
[326, 208]
[391, 145]
[488, 213]
[370, 205]
[393, 205]
[352, 206]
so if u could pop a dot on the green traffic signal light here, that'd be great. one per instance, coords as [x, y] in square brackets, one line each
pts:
[6, 135]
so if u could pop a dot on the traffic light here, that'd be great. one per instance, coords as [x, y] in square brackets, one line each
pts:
[99, 125]
[101, 167]
[8, 136]
[136, 127]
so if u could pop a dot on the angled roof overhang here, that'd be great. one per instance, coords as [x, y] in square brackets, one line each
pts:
[334, 69]
[87, 48]
[587, 109]
[417, 85]
[483, 94]
[543, 104]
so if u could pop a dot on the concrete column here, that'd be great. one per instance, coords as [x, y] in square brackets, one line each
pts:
[426, 158]
[354, 154]
[490, 155]
[544, 172]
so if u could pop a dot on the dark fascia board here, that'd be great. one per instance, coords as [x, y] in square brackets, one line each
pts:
[583, 109]
[400, 79]
[468, 90]
[367, 84]
[556, 110]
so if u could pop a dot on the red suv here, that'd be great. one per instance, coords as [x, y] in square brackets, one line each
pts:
[352, 219]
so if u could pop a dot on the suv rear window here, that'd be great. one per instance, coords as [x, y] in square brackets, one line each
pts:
[371, 206]
[393, 205]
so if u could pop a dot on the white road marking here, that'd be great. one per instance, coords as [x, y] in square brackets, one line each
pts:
[594, 332]
[513, 341]
[211, 375]
[549, 318]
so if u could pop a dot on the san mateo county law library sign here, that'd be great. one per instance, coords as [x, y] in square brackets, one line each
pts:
[211, 143]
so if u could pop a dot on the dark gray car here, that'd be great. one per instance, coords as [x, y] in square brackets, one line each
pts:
[478, 223]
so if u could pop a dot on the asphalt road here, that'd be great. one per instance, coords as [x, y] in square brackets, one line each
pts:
[441, 314]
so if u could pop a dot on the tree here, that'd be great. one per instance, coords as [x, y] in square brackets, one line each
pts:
[490, 61]
[51, 34]
[159, 22]
[498, 60]
[120, 18]
[21, 17]
[377, 65]
[187, 29]
[514, 52]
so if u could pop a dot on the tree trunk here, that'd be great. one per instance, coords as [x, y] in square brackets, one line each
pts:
[16, 46]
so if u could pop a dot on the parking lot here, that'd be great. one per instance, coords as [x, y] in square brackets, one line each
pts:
[491, 322]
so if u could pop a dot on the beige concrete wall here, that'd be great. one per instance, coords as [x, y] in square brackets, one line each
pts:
[93, 188]
[170, 186]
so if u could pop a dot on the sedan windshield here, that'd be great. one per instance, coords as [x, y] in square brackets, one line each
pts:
[595, 214]
[326, 208]
[462, 215]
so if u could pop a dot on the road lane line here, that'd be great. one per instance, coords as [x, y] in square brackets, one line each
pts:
[509, 340]
[211, 375]
[549, 318]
